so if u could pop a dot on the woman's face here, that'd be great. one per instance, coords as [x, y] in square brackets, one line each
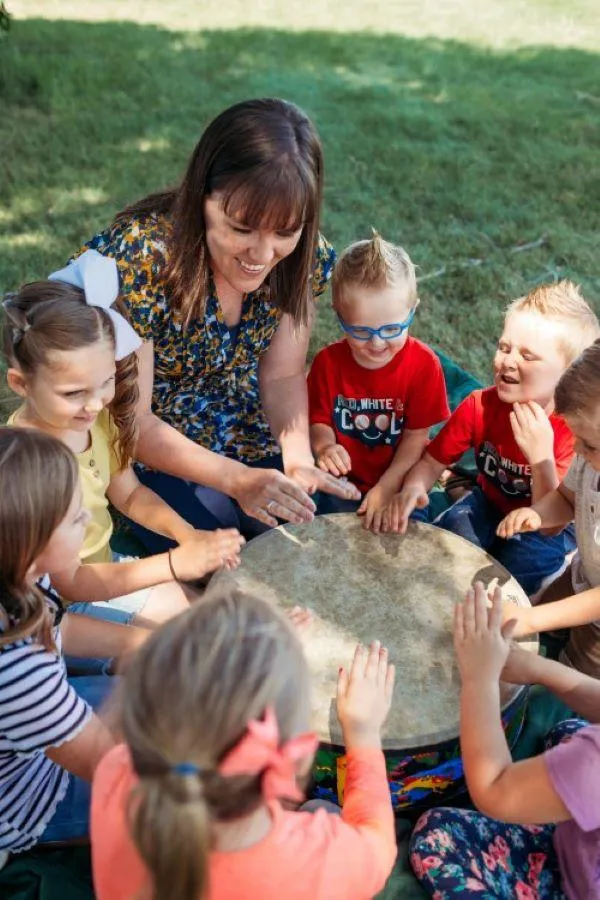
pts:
[242, 257]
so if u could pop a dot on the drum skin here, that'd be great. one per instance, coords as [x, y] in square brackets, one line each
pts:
[400, 590]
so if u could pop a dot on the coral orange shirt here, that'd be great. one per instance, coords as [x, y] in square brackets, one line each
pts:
[306, 856]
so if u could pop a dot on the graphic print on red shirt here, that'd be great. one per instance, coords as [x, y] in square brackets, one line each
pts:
[369, 409]
[482, 421]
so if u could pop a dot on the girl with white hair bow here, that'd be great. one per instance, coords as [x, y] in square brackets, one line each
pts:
[71, 359]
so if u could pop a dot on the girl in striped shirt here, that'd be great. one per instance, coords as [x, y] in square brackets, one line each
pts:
[50, 738]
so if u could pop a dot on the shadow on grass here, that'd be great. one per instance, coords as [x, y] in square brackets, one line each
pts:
[458, 152]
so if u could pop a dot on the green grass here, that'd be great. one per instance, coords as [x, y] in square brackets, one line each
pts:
[461, 149]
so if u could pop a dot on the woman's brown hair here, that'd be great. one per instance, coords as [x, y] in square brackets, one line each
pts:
[49, 316]
[188, 698]
[264, 158]
[38, 477]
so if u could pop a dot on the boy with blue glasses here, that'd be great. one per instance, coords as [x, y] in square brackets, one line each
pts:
[375, 394]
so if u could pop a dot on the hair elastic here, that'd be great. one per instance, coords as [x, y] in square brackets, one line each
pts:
[186, 768]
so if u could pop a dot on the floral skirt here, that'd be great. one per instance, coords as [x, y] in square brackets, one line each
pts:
[462, 853]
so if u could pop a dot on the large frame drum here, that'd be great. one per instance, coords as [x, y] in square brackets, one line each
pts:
[401, 590]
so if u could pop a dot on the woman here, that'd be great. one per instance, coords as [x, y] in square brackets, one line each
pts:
[219, 276]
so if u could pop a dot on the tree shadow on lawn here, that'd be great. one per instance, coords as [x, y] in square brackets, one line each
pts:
[460, 153]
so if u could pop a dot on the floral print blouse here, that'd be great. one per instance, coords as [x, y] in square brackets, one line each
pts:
[205, 383]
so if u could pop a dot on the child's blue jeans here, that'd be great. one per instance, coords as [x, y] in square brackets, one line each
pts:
[529, 557]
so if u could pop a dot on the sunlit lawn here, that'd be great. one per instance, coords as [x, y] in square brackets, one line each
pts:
[468, 133]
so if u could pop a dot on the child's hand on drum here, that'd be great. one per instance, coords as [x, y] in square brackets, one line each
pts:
[523, 519]
[400, 507]
[334, 459]
[481, 641]
[300, 617]
[373, 508]
[205, 551]
[364, 696]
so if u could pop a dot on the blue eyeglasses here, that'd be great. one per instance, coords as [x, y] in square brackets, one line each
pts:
[386, 332]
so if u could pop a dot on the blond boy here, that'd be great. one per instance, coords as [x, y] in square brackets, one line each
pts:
[523, 448]
[375, 394]
[577, 590]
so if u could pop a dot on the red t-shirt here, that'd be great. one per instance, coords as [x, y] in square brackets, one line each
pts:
[482, 421]
[369, 408]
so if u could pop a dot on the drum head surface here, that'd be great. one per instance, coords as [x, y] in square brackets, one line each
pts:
[362, 587]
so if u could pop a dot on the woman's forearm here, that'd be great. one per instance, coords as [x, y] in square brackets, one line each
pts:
[162, 447]
[285, 403]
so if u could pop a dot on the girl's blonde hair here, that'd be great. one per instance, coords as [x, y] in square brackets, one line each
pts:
[373, 263]
[562, 302]
[49, 316]
[188, 698]
[38, 477]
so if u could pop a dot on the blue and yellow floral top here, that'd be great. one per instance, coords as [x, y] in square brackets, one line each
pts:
[205, 383]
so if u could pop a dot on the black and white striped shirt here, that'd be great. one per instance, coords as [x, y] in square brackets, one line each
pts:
[38, 709]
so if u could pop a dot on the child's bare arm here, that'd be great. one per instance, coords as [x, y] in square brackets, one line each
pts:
[578, 609]
[86, 636]
[579, 692]
[330, 456]
[81, 755]
[408, 453]
[93, 582]
[513, 792]
[137, 502]
[555, 510]
[417, 484]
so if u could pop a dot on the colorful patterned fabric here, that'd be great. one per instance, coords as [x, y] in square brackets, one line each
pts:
[462, 853]
[205, 384]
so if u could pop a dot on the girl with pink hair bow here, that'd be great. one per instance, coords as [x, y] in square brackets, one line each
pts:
[215, 719]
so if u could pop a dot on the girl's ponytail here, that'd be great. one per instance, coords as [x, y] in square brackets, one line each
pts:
[188, 698]
[170, 824]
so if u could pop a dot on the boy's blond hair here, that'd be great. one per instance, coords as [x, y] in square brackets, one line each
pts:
[562, 302]
[373, 263]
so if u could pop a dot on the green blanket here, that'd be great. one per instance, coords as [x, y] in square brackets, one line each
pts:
[64, 874]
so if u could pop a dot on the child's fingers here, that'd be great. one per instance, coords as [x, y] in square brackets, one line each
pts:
[362, 508]
[496, 613]
[480, 608]
[372, 664]
[382, 665]
[358, 662]
[459, 623]
[376, 521]
[342, 683]
[390, 677]
[469, 612]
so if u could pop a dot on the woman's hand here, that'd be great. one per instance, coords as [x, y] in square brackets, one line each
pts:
[268, 495]
[364, 696]
[481, 641]
[313, 479]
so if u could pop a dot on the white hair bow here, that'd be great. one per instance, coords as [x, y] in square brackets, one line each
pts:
[98, 277]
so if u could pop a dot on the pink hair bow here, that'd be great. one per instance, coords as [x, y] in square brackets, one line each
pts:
[98, 277]
[259, 751]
